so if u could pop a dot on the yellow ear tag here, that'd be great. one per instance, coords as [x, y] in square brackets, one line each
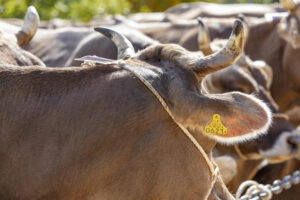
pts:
[216, 126]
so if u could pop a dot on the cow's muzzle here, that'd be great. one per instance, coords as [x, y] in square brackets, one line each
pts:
[286, 147]
[294, 143]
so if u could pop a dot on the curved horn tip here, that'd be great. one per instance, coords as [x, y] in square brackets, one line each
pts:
[32, 14]
[124, 46]
[238, 27]
[32, 9]
[31, 21]
[104, 31]
[200, 22]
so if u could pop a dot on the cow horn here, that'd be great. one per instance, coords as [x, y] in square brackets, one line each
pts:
[289, 5]
[30, 26]
[225, 56]
[124, 46]
[203, 38]
[246, 27]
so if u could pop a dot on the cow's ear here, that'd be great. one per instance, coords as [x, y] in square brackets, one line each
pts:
[97, 60]
[227, 118]
[235, 117]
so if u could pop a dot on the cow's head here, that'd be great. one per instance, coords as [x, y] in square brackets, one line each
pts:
[176, 73]
[10, 51]
[288, 27]
[255, 77]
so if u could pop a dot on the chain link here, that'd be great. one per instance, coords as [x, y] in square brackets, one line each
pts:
[256, 191]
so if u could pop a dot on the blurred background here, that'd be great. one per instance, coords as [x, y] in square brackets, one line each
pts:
[85, 10]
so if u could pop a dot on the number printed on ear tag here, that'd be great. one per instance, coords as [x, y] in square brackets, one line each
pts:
[216, 126]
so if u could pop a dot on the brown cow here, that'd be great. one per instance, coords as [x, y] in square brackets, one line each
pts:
[282, 141]
[283, 60]
[265, 43]
[96, 132]
[66, 43]
[290, 32]
[287, 93]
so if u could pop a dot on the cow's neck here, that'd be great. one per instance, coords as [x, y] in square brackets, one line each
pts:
[157, 82]
[56, 117]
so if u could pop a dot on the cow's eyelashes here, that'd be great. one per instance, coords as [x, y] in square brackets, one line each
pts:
[236, 89]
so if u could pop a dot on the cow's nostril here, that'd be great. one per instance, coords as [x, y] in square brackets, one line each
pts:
[294, 142]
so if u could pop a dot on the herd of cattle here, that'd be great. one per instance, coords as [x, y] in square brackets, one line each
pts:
[140, 118]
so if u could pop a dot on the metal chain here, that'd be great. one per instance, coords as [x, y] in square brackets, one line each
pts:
[256, 191]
